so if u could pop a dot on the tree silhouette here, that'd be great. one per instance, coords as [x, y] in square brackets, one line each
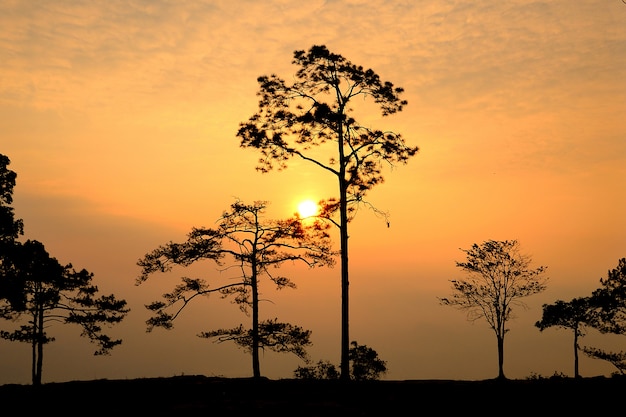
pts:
[243, 240]
[55, 293]
[37, 289]
[314, 112]
[574, 315]
[10, 230]
[499, 276]
[609, 302]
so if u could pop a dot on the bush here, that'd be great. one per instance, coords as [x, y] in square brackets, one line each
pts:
[364, 365]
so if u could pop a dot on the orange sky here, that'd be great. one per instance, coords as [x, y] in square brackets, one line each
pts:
[120, 120]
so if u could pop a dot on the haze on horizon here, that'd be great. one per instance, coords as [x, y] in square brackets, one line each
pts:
[120, 117]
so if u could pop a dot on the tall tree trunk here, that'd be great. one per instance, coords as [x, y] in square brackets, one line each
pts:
[343, 222]
[256, 366]
[501, 357]
[33, 366]
[345, 310]
[38, 346]
[576, 374]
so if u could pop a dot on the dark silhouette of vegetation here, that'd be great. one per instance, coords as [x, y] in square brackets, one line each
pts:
[365, 365]
[271, 334]
[198, 395]
[244, 241]
[36, 289]
[617, 359]
[610, 300]
[315, 112]
[604, 310]
[321, 370]
[610, 308]
[498, 277]
[10, 230]
[574, 315]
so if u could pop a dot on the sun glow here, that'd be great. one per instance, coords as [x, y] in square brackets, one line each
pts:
[307, 208]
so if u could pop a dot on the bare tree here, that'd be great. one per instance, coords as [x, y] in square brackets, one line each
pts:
[498, 278]
[315, 112]
[246, 242]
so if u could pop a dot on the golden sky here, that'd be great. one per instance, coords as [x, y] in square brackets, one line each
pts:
[120, 119]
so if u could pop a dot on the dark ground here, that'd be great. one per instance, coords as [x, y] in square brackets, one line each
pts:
[213, 396]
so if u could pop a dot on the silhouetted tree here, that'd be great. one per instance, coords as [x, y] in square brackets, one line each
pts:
[314, 112]
[36, 289]
[609, 302]
[365, 365]
[243, 240]
[499, 276]
[574, 315]
[55, 293]
[10, 230]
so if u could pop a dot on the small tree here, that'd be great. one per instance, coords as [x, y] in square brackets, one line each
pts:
[499, 277]
[55, 293]
[242, 240]
[365, 365]
[574, 315]
[315, 112]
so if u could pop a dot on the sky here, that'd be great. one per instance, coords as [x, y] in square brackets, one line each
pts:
[120, 120]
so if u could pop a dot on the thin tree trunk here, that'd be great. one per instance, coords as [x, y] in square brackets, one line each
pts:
[345, 283]
[33, 366]
[576, 374]
[256, 367]
[501, 357]
[39, 342]
[343, 221]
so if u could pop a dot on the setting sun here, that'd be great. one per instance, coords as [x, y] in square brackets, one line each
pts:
[307, 208]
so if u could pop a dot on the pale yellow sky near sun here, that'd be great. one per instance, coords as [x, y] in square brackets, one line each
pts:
[120, 119]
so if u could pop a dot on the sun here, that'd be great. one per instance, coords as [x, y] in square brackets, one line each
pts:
[307, 208]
